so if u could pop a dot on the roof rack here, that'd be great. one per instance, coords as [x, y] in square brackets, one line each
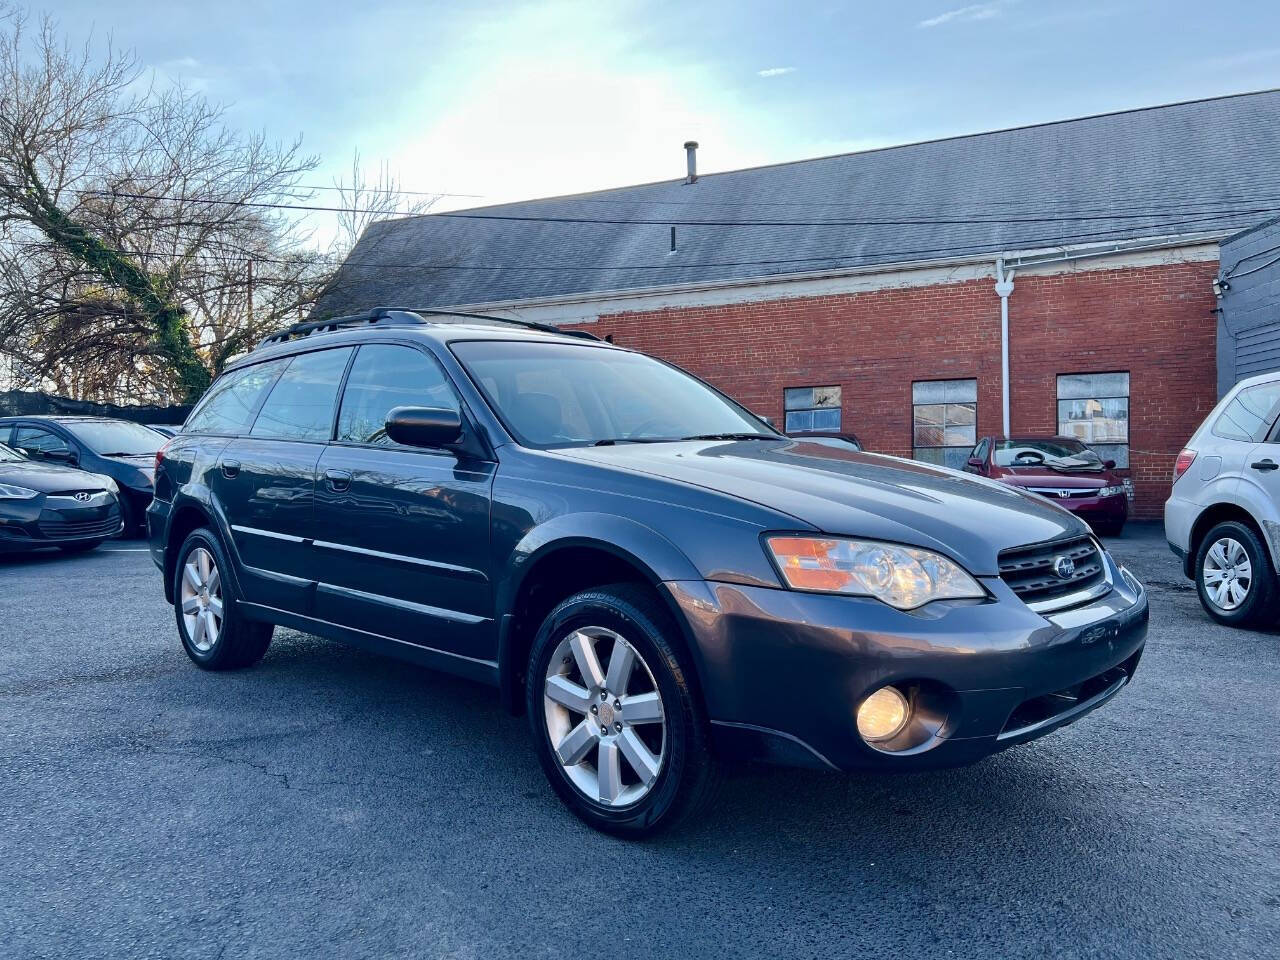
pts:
[404, 317]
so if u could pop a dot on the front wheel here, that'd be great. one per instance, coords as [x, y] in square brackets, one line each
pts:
[1234, 577]
[620, 732]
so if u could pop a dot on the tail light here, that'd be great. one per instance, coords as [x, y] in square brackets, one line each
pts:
[1180, 466]
[160, 453]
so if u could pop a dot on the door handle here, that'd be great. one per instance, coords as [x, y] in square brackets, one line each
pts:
[230, 469]
[338, 480]
[1265, 465]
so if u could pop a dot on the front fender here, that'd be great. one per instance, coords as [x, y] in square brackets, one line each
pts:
[641, 546]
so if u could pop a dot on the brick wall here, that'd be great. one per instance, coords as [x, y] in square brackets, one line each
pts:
[1154, 322]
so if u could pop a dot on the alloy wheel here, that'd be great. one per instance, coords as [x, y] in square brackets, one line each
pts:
[1227, 573]
[607, 726]
[201, 599]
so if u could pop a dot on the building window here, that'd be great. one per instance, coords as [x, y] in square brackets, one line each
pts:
[811, 408]
[1094, 408]
[944, 421]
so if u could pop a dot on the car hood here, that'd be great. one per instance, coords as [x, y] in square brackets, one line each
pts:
[50, 477]
[856, 494]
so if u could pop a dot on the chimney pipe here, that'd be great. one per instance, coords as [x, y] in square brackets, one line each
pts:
[691, 153]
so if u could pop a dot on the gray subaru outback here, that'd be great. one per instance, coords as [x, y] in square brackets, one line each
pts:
[653, 574]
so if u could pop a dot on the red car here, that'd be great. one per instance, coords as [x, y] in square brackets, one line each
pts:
[1062, 469]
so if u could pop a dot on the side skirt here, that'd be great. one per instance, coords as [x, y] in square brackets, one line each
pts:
[485, 671]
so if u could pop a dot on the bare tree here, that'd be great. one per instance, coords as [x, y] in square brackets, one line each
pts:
[141, 243]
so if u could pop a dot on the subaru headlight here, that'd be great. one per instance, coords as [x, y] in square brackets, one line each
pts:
[903, 577]
[10, 492]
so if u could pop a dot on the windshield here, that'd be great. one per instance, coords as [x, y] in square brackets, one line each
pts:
[116, 438]
[1057, 454]
[561, 394]
[6, 454]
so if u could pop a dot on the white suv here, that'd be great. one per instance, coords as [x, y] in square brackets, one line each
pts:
[1223, 515]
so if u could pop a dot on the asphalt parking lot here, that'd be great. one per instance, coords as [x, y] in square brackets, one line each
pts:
[331, 803]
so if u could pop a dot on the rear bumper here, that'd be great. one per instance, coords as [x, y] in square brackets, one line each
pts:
[784, 672]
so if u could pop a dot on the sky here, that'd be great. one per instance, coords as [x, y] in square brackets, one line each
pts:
[496, 101]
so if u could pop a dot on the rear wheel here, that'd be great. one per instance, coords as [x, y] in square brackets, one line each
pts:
[619, 731]
[213, 633]
[1234, 577]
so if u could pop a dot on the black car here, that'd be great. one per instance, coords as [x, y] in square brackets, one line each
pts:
[46, 505]
[122, 450]
[650, 571]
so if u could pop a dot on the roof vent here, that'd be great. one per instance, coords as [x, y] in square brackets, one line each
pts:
[691, 154]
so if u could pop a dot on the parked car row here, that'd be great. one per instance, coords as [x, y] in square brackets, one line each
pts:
[73, 482]
[654, 575]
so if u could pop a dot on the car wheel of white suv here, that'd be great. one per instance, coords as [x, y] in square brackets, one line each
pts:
[1234, 577]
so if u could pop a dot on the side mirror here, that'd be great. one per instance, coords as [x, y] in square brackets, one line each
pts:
[975, 462]
[424, 426]
[62, 456]
[1109, 464]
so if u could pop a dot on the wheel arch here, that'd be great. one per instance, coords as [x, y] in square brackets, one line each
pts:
[188, 514]
[1224, 512]
[562, 558]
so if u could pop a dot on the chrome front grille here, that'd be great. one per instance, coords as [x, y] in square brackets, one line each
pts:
[1046, 575]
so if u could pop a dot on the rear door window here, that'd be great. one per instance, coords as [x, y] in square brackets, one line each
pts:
[383, 377]
[1250, 415]
[301, 403]
[228, 406]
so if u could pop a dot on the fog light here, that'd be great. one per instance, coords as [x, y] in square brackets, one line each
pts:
[882, 715]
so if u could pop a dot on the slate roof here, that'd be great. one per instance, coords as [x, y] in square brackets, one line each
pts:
[1209, 166]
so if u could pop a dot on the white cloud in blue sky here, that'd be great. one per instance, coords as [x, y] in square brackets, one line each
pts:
[975, 11]
[511, 99]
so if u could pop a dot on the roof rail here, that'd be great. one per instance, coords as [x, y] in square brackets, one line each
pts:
[380, 316]
[528, 324]
[403, 317]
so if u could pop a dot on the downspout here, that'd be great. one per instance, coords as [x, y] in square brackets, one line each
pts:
[1004, 287]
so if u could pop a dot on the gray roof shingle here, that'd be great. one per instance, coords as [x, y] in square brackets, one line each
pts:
[1205, 166]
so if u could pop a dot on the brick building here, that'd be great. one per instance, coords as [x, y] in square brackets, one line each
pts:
[860, 292]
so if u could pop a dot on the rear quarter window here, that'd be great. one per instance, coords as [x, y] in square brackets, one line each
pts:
[1249, 416]
[229, 405]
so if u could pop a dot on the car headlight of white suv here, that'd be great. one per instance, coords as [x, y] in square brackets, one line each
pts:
[903, 577]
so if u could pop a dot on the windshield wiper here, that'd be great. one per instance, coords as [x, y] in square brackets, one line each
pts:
[610, 441]
[734, 436]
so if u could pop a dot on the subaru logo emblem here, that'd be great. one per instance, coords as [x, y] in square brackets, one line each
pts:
[84, 497]
[1064, 567]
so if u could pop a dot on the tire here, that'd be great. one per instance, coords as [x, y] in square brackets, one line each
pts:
[83, 546]
[1109, 529]
[199, 597]
[130, 517]
[687, 774]
[1258, 606]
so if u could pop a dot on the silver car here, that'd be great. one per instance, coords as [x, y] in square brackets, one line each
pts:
[1223, 515]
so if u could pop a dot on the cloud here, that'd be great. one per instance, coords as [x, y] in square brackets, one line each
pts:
[976, 11]
[775, 71]
[1247, 58]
